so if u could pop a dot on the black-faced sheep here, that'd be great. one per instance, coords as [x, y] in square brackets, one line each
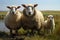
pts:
[31, 18]
[49, 24]
[12, 19]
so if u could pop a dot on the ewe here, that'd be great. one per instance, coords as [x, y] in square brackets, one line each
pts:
[12, 19]
[49, 24]
[32, 18]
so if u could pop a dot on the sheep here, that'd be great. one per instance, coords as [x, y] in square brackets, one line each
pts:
[12, 19]
[32, 18]
[49, 24]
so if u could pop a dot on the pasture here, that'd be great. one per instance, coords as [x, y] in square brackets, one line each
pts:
[55, 36]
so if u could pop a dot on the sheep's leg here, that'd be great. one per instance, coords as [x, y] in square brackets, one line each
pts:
[44, 31]
[16, 32]
[39, 31]
[33, 32]
[11, 34]
[47, 31]
[52, 30]
[28, 33]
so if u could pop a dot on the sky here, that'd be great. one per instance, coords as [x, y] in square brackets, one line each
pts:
[42, 4]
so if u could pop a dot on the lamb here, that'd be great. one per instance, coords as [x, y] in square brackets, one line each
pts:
[49, 24]
[12, 19]
[32, 18]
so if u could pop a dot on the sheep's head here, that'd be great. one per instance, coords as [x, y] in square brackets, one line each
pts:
[50, 17]
[13, 9]
[29, 9]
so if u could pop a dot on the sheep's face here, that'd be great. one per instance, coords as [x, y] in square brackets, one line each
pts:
[29, 9]
[50, 17]
[13, 9]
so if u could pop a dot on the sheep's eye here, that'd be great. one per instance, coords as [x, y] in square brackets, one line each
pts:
[15, 8]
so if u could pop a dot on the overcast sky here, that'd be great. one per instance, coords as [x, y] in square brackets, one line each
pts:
[42, 4]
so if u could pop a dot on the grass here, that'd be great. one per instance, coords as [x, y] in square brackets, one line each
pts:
[55, 36]
[2, 14]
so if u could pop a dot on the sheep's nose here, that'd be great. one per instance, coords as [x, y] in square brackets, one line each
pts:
[29, 13]
[13, 12]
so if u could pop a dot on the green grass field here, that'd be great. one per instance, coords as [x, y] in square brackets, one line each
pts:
[2, 14]
[55, 36]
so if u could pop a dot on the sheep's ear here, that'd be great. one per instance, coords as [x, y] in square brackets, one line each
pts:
[18, 7]
[35, 5]
[9, 7]
[24, 5]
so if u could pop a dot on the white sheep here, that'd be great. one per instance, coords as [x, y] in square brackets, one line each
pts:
[12, 18]
[49, 24]
[32, 18]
